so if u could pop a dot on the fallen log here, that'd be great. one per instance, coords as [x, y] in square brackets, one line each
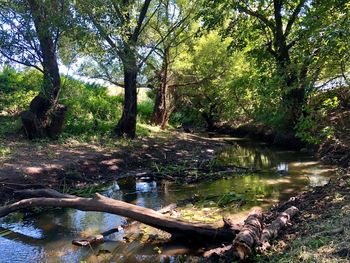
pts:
[249, 235]
[252, 237]
[245, 241]
[99, 203]
[272, 231]
[100, 238]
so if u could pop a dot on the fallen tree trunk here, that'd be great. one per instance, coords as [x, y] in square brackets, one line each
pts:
[272, 231]
[178, 229]
[249, 235]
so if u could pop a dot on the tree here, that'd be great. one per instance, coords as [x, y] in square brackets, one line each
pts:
[117, 27]
[277, 28]
[204, 71]
[29, 34]
[172, 24]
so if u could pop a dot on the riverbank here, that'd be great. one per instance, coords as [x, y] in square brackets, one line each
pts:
[72, 164]
[321, 232]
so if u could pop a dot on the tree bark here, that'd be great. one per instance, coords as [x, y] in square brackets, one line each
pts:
[178, 229]
[245, 241]
[160, 107]
[251, 236]
[294, 96]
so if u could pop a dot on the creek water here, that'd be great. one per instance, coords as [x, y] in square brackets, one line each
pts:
[47, 236]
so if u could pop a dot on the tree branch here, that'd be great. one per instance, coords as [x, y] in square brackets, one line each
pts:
[142, 17]
[147, 216]
[263, 19]
[22, 62]
[293, 17]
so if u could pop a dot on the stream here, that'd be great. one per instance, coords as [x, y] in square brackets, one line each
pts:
[47, 236]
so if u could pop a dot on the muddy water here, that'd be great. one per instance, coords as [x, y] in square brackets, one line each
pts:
[47, 237]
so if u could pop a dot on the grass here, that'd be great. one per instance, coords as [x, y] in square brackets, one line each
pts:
[9, 125]
[4, 151]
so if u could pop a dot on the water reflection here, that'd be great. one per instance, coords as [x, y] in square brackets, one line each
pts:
[282, 168]
[47, 237]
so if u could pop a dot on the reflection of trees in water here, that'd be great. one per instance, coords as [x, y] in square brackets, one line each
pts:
[258, 188]
[140, 192]
[248, 156]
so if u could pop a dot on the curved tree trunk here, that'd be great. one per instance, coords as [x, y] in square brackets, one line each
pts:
[160, 111]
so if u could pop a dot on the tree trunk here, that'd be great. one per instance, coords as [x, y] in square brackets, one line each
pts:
[127, 124]
[251, 236]
[209, 117]
[245, 241]
[160, 107]
[294, 95]
[44, 118]
[178, 229]
[160, 112]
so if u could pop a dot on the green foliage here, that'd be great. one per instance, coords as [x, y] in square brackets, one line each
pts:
[17, 89]
[9, 125]
[206, 69]
[4, 151]
[229, 198]
[186, 116]
[315, 125]
[90, 109]
[145, 110]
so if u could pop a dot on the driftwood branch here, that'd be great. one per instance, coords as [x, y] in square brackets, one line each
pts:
[99, 203]
[245, 241]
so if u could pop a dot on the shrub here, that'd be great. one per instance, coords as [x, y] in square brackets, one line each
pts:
[17, 89]
[90, 109]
